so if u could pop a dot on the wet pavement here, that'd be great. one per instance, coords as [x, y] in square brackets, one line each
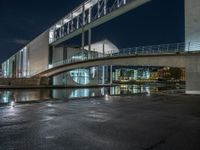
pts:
[142, 122]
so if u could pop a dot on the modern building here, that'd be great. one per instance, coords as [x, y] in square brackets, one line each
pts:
[48, 49]
[84, 76]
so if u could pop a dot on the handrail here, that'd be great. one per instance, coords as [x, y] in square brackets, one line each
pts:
[173, 48]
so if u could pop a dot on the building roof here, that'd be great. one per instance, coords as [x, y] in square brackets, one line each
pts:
[106, 44]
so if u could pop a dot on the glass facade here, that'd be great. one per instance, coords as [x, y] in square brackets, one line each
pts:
[17, 65]
[84, 76]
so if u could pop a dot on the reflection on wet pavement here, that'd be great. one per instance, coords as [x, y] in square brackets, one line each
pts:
[138, 122]
[12, 96]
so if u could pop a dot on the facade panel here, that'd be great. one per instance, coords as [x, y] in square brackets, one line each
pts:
[39, 54]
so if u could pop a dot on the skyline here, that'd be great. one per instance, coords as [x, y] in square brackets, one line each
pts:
[167, 27]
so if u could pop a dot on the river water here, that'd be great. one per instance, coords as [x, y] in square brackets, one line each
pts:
[34, 95]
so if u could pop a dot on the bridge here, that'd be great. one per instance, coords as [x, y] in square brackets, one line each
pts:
[45, 56]
[88, 15]
[165, 55]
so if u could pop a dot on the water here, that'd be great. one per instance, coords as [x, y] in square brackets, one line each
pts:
[30, 95]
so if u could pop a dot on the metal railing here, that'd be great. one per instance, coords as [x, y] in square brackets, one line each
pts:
[163, 49]
[174, 48]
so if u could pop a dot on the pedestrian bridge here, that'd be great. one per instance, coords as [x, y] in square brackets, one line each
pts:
[170, 55]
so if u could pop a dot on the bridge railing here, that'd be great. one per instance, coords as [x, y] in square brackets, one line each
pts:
[153, 49]
[174, 48]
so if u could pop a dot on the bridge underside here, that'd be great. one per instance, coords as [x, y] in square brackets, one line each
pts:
[188, 61]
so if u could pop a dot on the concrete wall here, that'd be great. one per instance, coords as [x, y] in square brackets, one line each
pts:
[193, 75]
[192, 21]
[57, 54]
[63, 53]
[39, 53]
[30, 60]
[24, 81]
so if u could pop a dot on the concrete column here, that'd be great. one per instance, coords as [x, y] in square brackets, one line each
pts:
[58, 80]
[193, 75]
[72, 23]
[111, 75]
[118, 3]
[83, 30]
[105, 7]
[77, 23]
[89, 39]
[68, 28]
[192, 23]
[99, 7]
[90, 15]
[103, 49]
[192, 82]
[103, 74]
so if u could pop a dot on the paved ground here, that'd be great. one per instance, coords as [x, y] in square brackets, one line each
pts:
[113, 123]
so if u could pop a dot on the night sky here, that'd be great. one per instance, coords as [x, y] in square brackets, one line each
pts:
[160, 21]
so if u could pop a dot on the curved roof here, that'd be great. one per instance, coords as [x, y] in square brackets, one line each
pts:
[106, 44]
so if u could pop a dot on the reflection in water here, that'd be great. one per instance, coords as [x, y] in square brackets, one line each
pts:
[6, 96]
[132, 89]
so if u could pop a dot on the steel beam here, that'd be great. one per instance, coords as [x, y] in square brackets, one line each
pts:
[133, 4]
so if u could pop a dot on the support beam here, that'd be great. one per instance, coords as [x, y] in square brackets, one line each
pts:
[130, 5]
[105, 7]
[118, 3]
[103, 75]
[103, 49]
[83, 30]
[77, 23]
[111, 81]
[193, 76]
[72, 23]
[99, 7]
[68, 28]
[89, 39]
[89, 15]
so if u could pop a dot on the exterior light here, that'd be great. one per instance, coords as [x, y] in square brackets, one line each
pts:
[12, 104]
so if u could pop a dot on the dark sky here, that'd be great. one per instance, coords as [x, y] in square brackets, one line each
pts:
[160, 21]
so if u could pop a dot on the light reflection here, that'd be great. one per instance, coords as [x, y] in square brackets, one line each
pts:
[107, 97]
[12, 104]
[12, 96]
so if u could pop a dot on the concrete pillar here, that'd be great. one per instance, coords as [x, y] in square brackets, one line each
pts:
[58, 80]
[68, 28]
[103, 49]
[83, 30]
[89, 39]
[193, 75]
[105, 7]
[72, 23]
[111, 75]
[99, 7]
[192, 23]
[192, 82]
[103, 74]
[77, 23]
